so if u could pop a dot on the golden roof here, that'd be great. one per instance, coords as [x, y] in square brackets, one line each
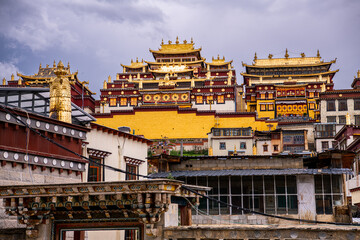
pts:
[136, 64]
[219, 61]
[288, 62]
[176, 48]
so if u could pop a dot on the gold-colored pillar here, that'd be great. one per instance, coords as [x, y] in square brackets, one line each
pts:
[60, 95]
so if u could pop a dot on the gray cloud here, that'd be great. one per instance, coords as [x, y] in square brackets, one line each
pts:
[96, 36]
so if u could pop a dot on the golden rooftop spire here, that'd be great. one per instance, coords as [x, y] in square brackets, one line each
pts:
[286, 54]
[162, 41]
[318, 53]
[192, 40]
[302, 55]
[4, 81]
[270, 56]
[137, 60]
[177, 40]
[132, 61]
[358, 73]
[12, 77]
[54, 65]
[255, 57]
[68, 65]
[40, 66]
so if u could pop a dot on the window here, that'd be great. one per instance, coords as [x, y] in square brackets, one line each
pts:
[357, 120]
[312, 106]
[342, 105]
[311, 94]
[357, 104]
[253, 98]
[227, 132]
[236, 132]
[222, 146]
[199, 100]
[216, 132]
[324, 145]
[276, 148]
[266, 194]
[271, 107]
[331, 119]
[262, 107]
[331, 105]
[325, 130]
[131, 171]
[265, 148]
[243, 145]
[220, 99]
[210, 99]
[112, 102]
[342, 119]
[327, 193]
[262, 96]
[271, 96]
[94, 173]
[133, 101]
[123, 101]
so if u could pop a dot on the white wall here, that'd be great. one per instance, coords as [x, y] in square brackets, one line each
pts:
[230, 146]
[118, 147]
[228, 106]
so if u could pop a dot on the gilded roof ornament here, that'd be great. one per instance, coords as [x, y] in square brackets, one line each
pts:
[302, 55]
[137, 60]
[109, 79]
[177, 40]
[68, 66]
[162, 41]
[286, 54]
[4, 81]
[255, 57]
[132, 61]
[54, 64]
[40, 66]
[318, 53]
[12, 77]
[270, 56]
[192, 40]
[169, 41]
[185, 42]
[358, 73]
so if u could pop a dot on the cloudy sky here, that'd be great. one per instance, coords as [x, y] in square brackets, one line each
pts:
[95, 36]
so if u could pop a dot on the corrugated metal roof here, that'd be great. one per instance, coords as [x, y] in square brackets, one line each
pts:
[251, 172]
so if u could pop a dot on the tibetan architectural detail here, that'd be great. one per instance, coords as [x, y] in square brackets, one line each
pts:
[80, 93]
[286, 87]
[178, 76]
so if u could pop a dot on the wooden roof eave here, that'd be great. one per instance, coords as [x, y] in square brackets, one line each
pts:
[290, 75]
[134, 67]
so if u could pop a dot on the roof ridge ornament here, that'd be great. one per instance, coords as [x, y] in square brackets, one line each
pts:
[162, 41]
[302, 55]
[192, 40]
[177, 40]
[270, 56]
[54, 64]
[40, 66]
[318, 54]
[286, 53]
[255, 57]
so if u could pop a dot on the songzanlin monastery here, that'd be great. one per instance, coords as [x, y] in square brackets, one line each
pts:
[180, 95]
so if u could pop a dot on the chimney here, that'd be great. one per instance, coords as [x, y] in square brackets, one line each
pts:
[60, 95]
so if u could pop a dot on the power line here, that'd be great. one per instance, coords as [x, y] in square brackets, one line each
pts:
[246, 210]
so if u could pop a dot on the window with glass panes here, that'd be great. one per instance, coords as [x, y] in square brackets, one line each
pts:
[266, 194]
[94, 172]
[342, 105]
[199, 100]
[357, 120]
[342, 119]
[357, 104]
[112, 102]
[330, 105]
[331, 119]
[123, 101]
[133, 101]
[220, 99]
[327, 193]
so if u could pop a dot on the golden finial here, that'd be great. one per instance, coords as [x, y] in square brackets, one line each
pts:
[302, 55]
[60, 65]
[40, 66]
[218, 58]
[213, 58]
[192, 40]
[137, 60]
[104, 85]
[47, 65]
[54, 64]
[19, 81]
[109, 79]
[131, 61]
[318, 53]
[270, 56]
[177, 40]
[286, 54]
[162, 41]
[12, 77]
[255, 57]
[4, 81]
[358, 73]
[223, 58]
[142, 60]
[68, 65]
[169, 42]
[185, 42]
